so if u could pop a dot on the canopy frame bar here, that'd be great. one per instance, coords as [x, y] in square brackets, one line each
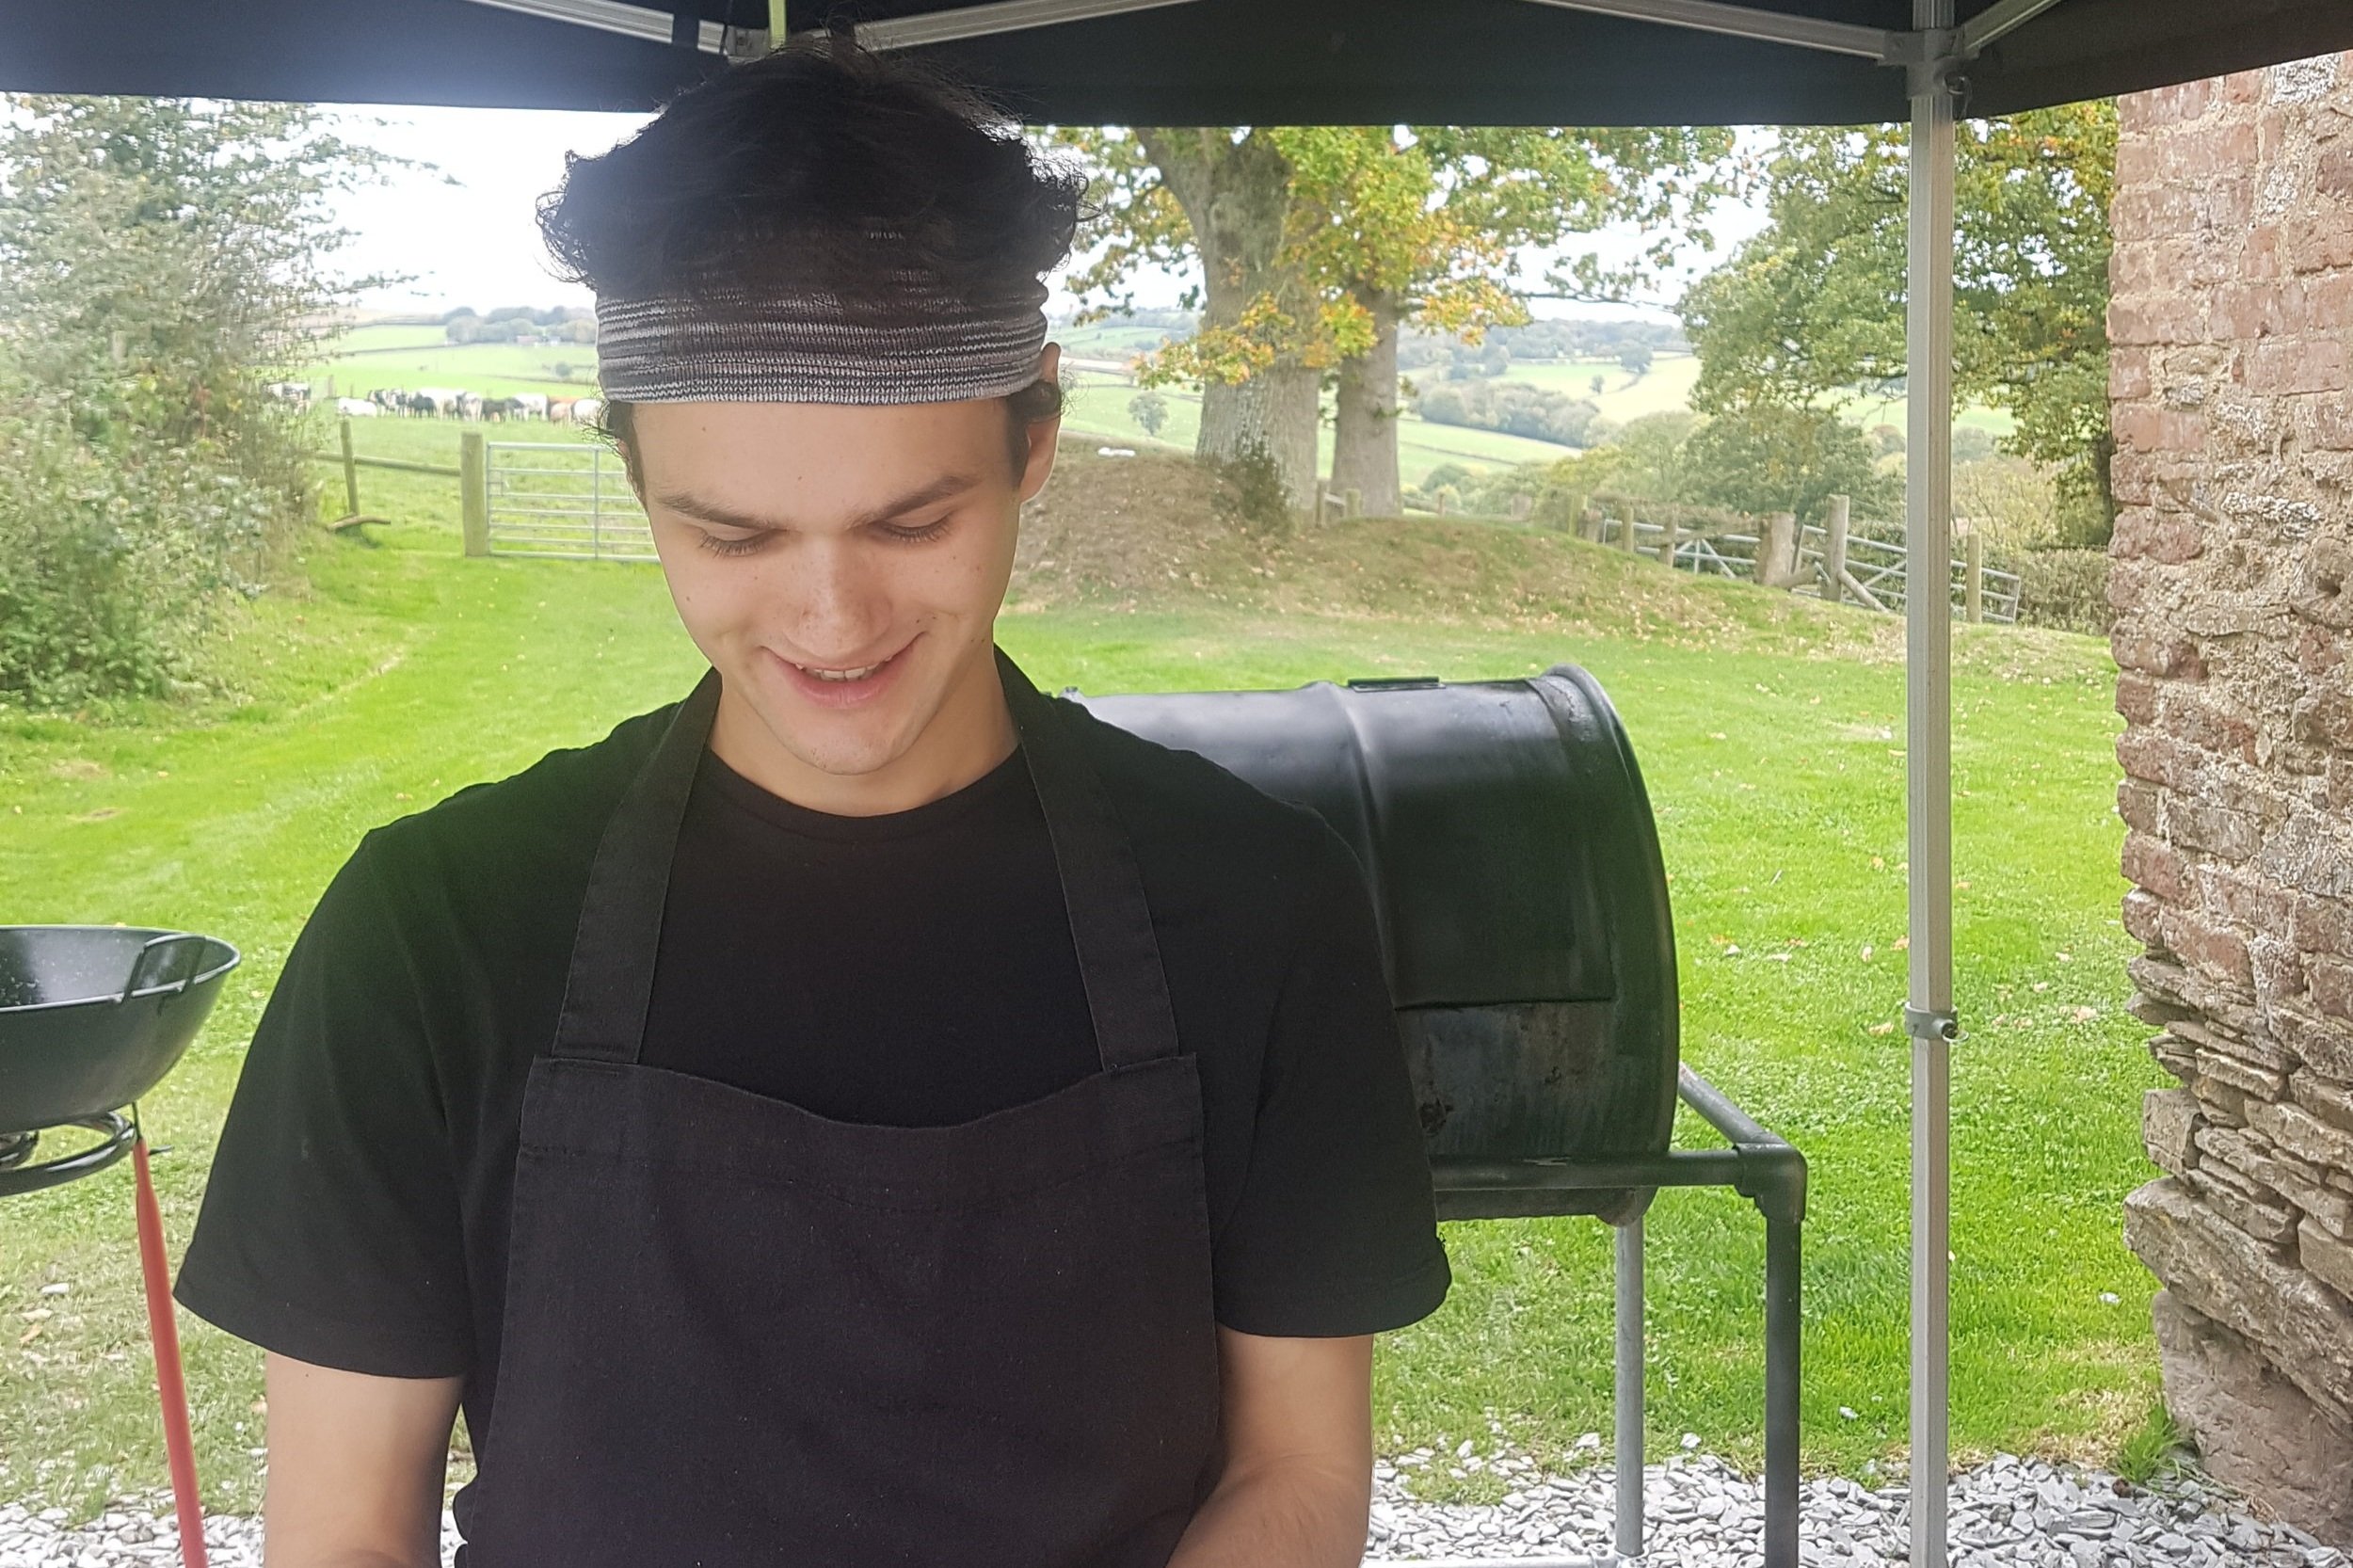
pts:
[1746, 21]
[652, 23]
[1997, 23]
[657, 26]
[1926, 46]
[1880, 46]
[1003, 16]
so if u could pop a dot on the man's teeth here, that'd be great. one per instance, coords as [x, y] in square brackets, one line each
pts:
[858, 674]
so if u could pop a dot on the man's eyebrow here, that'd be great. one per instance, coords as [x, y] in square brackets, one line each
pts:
[726, 517]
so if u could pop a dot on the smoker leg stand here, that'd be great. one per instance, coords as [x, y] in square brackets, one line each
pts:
[1626, 1403]
[172, 1390]
[1782, 1321]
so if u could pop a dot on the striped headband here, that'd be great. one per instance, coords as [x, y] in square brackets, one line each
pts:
[797, 346]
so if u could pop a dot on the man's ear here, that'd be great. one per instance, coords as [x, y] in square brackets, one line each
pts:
[1044, 434]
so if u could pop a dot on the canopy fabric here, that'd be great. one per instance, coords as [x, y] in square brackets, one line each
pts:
[1206, 62]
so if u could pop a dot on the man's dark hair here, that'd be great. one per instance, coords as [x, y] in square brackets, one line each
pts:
[778, 175]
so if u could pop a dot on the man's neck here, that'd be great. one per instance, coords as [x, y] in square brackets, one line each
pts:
[972, 732]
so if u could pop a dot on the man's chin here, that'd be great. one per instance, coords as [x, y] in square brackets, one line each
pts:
[845, 747]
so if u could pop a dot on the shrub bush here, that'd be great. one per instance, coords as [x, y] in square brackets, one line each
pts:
[160, 261]
[2065, 588]
[1253, 495]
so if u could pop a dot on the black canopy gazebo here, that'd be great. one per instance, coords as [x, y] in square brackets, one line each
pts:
[1230, 62]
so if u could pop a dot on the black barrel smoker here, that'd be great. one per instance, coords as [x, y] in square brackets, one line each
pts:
[91, 1018]
[1522, 899]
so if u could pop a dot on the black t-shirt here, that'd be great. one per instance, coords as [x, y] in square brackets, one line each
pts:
[911, 968]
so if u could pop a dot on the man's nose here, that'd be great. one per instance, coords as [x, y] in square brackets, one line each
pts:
[837, 599]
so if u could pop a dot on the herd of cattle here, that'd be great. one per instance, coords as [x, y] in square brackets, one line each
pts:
[450, 403]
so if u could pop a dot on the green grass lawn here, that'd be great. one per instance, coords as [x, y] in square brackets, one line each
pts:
[1776, 773]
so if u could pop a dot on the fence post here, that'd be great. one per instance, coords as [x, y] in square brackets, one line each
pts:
[1670, 542]
[1973, 589]
[1353, 502]
[474, 487]
[351, 473]
[1625, 532]
[1834, 553]
[1777, 566]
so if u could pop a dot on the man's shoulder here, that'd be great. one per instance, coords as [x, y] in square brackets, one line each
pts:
[512, 835]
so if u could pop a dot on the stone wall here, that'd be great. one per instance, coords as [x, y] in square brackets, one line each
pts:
[2231, 325]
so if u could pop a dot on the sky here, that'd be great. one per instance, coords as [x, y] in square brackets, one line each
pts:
[461, 232]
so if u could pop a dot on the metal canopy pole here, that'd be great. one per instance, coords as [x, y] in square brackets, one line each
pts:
[1927, 759]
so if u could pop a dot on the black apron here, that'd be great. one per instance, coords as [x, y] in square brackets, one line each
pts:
[739, 1332]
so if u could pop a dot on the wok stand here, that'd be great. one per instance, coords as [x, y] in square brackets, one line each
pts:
[71, 1038]
[120, 1135]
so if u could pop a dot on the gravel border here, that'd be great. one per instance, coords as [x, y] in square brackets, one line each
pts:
[1701, 1513]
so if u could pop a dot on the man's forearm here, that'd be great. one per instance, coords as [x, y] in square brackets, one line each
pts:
[1280, 1516]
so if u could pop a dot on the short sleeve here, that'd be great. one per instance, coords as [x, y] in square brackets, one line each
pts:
[1335, 1231]
[330, 1228]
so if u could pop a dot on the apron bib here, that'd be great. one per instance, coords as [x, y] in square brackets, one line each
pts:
[738, 1331]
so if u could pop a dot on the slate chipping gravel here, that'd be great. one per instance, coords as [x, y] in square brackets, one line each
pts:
[2007, 1513]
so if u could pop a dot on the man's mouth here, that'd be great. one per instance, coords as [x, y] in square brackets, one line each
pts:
[843, 685]
[859, 673]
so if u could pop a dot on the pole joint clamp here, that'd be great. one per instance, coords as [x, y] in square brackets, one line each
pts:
[1929, 56]
[1924, 1024]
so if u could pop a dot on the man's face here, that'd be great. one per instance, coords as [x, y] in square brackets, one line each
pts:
[840, 566]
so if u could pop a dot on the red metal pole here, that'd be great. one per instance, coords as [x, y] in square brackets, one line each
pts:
[179, 1443]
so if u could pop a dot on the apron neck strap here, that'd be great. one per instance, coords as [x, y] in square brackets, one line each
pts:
[609, 985]
[609, 982]
[1110, 924]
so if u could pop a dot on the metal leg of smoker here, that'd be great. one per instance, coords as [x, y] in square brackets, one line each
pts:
[1782, 1319]
[1627, 1401]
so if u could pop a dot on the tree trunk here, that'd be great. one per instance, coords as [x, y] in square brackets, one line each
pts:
[1363, 436]
[1235, 195]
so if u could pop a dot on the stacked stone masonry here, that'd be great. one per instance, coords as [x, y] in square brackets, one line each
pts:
[2232, 378]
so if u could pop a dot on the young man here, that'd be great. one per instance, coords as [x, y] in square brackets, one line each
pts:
[869, 1112]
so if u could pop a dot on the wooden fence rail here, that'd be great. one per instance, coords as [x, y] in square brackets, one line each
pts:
[1831, 561]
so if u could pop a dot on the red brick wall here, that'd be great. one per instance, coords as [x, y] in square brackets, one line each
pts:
[2231, 327]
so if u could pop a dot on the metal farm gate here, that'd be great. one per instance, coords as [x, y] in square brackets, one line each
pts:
[568, 501]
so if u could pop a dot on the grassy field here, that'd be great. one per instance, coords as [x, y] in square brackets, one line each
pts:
[367, 358]
[1665, 387]
[1769, 731]
[372, 357]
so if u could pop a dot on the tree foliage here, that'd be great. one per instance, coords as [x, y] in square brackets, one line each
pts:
[1762, 459]
[1374, 230]
[161, 261]
[1435, 214]
[1706, 472]
[1515, 408]
[1814, 306]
